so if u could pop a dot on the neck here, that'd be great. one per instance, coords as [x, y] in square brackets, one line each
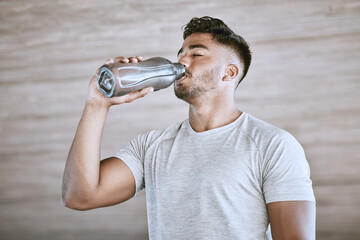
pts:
[206, 115]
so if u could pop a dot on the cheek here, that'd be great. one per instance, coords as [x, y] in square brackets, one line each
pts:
[209, 77]
[217, 71]
[209, 68]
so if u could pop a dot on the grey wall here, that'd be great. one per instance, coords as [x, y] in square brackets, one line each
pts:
[304, 78]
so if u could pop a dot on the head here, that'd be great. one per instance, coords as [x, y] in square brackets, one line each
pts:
[215, 59]
[223, 35]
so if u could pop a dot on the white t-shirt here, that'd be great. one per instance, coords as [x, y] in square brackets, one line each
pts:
[216, 184]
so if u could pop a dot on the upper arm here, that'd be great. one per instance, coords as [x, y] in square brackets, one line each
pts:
[292, 219]
[116, 184]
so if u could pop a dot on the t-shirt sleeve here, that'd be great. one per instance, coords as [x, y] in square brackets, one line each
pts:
[133, 156]
[286, 172]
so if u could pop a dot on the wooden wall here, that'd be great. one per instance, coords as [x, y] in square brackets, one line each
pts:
[304, 78]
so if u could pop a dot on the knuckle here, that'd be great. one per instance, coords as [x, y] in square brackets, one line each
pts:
[119, 58]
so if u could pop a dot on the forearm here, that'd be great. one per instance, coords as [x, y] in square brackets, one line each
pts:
[81, 175]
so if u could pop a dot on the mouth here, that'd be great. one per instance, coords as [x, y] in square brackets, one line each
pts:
[181, 79]
[187, 75]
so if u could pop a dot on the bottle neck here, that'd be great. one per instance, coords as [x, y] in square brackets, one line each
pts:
[180, 70]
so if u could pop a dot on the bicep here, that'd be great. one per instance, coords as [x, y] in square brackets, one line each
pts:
[116, 183]
[292, 219]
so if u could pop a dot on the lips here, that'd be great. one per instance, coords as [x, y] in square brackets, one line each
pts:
[187, 74]
[181, 79]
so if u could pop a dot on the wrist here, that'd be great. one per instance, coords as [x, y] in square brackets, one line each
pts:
[96, 104]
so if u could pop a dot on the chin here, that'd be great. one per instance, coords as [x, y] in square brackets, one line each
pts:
[186, 96]
[181, 94]
[189, 93]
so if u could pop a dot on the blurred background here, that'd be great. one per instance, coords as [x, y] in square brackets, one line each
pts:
[304, 79]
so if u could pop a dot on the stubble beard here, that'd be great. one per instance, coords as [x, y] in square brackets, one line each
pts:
[198, 87]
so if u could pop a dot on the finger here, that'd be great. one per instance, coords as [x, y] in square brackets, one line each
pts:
[147, 90]
[139, 58]
[138, 94]
[109, 61]
[133, 60]
[121, 59]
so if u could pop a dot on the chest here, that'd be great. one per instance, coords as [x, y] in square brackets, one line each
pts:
[190, 166]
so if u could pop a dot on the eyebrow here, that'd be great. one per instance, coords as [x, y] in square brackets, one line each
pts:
[192, 47]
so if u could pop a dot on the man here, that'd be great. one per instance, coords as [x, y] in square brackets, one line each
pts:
[221, 174]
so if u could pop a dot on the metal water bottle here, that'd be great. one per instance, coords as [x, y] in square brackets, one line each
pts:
[118, 79]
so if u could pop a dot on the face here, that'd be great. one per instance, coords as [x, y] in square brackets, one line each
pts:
[201, 57]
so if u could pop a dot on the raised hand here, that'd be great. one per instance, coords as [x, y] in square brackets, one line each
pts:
[95, 96]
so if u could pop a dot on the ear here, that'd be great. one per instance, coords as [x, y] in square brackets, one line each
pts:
[231, 72]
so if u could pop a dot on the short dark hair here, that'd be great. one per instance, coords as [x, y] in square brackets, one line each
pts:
[222, 34]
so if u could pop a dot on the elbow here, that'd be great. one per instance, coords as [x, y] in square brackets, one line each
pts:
[75, 203]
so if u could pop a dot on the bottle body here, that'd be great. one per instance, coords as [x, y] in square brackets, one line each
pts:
[118, 79]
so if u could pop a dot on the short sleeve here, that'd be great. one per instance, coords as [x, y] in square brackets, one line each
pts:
[133, 156]
[286, 172]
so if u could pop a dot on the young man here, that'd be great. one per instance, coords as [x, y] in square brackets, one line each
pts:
[221, 174]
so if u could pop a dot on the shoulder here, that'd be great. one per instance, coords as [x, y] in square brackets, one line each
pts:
[260, 130]
[143, 142]
[267, 136]
[155, 136]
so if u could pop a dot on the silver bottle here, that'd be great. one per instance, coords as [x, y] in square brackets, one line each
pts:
[118, 79]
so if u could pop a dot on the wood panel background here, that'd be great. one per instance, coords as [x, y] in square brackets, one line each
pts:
[304, 78]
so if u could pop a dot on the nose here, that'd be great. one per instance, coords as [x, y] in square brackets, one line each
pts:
[184, 61]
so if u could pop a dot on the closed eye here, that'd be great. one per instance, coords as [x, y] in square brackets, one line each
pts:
[197, 55]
